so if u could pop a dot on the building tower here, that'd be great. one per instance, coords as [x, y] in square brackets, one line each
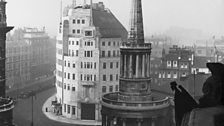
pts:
[135, 104]
[88, 58]
[6, 104]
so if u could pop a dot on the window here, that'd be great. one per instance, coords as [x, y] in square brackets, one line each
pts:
[77, 42]
[88, 54]
[175, 75]
[108, 53]
[103, 53]
[81, 64]
[64, 107]
[68, 87]
[168, 75]
[116, 77]
[168, 63]
[83, 21]
[104, 78]
[174, 63]
[117, 64]
[77, 52]
[108, 43]
[74, 21]
[78, 21]
[64, 86]
[68, 64]
[103, 43]
[78, 31]
[88, 33]
[73, 110]
[73, 65]
[104, 65]
[104, 89]
[111, 89]
[72, 42]
[114, 53]
[111, 65]
[116, 88]
[73, 76]
[114, 43]
[68, 75]
[68, 109]
[73, 31]
[111, 77]
[73, 88]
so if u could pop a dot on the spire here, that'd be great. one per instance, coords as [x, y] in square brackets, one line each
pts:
[136, 33]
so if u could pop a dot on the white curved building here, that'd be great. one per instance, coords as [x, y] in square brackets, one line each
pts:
[87, 63]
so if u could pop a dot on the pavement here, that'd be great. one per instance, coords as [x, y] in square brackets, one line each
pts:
[52, 116]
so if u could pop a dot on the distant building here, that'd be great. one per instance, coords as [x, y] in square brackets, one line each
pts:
[29, 56]
[159, 44]
[199, 65]
[88, 59]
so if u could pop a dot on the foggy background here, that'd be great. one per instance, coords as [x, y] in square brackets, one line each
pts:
[187, 19]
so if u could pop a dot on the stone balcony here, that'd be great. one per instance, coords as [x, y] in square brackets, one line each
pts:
[128, 45]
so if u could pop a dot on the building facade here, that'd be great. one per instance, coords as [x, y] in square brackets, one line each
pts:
[6, 104]
[29, 56]
[135, 104]
[87, 59]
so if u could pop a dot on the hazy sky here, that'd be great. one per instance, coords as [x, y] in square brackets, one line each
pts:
[159, 15]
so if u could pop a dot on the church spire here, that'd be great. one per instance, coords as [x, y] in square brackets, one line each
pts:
[136, 33]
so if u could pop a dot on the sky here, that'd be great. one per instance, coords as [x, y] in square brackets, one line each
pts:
[159, 15]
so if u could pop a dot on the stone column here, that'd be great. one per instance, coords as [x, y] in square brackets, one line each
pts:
[112, 121]
[124, 122]
[136, 67]
[104, 120]
[153, 122]
[139, 121]
[130, 67]
[125, 64]
[143, 65]
[108, 121]
[122, 65]
[148, 65]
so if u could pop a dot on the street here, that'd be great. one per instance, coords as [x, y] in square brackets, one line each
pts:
[22, 113]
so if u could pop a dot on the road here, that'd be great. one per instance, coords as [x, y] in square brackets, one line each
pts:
[22, 112]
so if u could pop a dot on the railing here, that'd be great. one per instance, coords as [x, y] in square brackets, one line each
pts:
[6, 104]
[135, 45]
[112, 99]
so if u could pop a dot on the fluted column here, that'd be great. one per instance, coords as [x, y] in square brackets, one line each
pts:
[143, 65]
[148, 65]
[153, 122]
[124, 122]
[125, 65]
[103, 120]
[130, 67]
[122, 65]
[139, 121]
[136, 66]
[108, 121]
